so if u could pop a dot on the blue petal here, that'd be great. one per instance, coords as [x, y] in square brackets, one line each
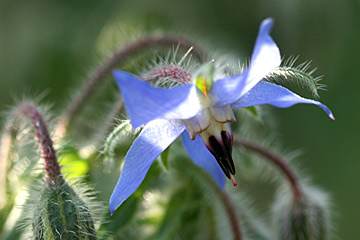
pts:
[278, 96]
[152, 141]
[265, 58]
[203, 158]
[144, 102]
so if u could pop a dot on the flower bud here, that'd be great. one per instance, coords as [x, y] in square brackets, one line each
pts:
[62, 214]
[304, 219]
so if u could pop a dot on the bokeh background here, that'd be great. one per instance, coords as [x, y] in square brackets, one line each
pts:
[47, 46]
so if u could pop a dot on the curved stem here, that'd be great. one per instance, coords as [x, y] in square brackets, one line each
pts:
[229, 207]
[218, 194]
[165, 71]
[111, 121]
[118, 57]
[279, 162]
[231, 212]
[52, 167]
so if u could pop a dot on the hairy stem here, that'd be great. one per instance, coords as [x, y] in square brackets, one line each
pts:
[226, 202]
[118, 57]
[52, 167]
[219, 195]
[111, 121]
[279, 162]
[230, 209]
[165, 71]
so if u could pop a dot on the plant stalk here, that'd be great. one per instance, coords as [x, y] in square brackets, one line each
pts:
[119, 57]
[279, 162]
[52, 168]
[230, 209]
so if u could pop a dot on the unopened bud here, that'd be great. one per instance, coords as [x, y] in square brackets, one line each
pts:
[62, 214]
[305, 219]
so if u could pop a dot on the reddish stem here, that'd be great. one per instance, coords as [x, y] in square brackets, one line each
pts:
[111, 122]
[52, 167]
[232, 214]
[119, 57]
[279, 162]
[229, 208]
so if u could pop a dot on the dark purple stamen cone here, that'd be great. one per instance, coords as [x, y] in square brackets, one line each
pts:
[222, 152]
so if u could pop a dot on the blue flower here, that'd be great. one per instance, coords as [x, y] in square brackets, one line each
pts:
[200, 112]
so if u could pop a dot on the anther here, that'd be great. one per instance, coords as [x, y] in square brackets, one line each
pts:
[233, 180]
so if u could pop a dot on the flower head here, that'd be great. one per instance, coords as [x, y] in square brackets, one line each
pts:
[200, 112]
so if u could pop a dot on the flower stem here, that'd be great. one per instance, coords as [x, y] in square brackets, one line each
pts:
[52, 168]
[118, 57]
[111, 121]
[227, 204]
[231, 213]
[205, 179]
[279, 162]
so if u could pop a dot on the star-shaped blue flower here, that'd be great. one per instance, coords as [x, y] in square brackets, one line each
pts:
[200, 112]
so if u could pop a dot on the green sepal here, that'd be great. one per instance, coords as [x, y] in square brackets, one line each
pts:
[62, 214]
[253, 111]
[38, 227]
[205, 75]
[306, 218]
[54, 215]
[289, 76]
[70, 215]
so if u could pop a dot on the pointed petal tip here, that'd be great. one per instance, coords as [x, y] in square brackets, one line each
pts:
[266, 26]
[111, 208]
[267, 22]
[113, 205]
[325, 108]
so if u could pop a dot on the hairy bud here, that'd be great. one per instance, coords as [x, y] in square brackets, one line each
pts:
[62, 214]
[305, 219]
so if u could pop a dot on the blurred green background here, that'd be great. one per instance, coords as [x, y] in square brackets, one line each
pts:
[47, 46]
